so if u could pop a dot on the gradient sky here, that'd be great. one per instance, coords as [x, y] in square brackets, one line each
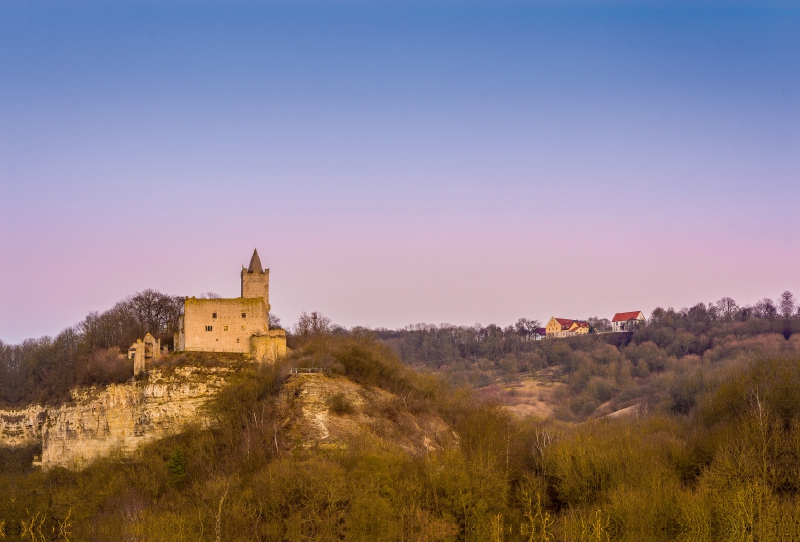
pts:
[398, 162]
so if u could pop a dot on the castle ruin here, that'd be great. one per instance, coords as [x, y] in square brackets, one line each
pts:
[238, 325]
[143, 351]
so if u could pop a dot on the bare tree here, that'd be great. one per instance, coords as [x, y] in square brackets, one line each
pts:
[657, 317]
[146, 311]
[153, 310]
[312, 324]
[726, 308]
[765, 309]
[526, 327]
[599, 324]
[274, 322]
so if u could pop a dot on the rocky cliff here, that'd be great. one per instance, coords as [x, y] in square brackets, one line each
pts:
[334, 412]
[320, 410]
[21, 427]
[119, 418]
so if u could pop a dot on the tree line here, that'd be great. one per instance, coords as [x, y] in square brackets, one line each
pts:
[90, 352]
[438, 345]
[93, 351]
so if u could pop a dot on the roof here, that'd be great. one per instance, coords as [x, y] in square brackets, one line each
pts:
[625, 316]
[255, 264]
[567, 323]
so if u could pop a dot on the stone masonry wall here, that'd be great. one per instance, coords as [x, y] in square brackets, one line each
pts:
[270, 347]
[230, 331]
[256, 285]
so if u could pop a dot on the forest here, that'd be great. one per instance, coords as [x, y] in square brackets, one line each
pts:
[713, 456]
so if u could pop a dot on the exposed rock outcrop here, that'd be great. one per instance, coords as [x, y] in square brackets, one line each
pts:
[332, 411]
[21, 427]
[118, 418]
[320, 410]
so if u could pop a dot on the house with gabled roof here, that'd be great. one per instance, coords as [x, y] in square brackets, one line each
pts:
[566, 327]
[627, 321]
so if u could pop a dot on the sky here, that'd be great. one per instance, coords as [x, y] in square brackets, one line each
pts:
[398, 162]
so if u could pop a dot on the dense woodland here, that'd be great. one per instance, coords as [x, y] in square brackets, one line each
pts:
[713, 457]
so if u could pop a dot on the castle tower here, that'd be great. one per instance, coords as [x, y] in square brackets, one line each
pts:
[255, 280]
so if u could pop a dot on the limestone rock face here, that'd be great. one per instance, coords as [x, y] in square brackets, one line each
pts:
[118, 418]
[123, 417]
[21, 427]
[335, 412]
[319, 411]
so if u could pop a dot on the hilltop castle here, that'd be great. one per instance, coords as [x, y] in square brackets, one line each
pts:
[239, 324]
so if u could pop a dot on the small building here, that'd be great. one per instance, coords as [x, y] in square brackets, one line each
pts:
[142, 351]
[539, 333]
[566, 327]
[627, 321]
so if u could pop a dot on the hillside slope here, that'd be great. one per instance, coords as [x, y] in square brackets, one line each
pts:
[333, 411]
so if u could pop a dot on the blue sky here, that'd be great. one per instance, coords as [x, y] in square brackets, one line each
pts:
[398, 162]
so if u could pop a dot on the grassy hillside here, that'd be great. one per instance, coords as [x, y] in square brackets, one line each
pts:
[725, 468]
[713, 456]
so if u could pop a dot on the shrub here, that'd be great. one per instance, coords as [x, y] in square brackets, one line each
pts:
[584, 404]
[339, 404]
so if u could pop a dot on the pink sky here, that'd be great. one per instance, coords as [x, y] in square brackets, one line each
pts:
[397, 165]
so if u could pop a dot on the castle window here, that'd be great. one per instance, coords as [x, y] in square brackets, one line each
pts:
[244, 315]
[225, 328]
[208, 328]
[237, 340]
[213, 315]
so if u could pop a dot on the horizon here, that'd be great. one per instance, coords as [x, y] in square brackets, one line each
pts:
[399, 163]
[542, 321]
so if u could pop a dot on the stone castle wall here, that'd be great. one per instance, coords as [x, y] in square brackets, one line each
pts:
[230, 331]
[270, 347]
[234, 325]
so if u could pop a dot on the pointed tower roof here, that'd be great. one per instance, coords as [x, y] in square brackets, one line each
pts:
[255, 264]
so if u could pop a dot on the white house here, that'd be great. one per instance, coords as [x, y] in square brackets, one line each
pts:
[627, 321]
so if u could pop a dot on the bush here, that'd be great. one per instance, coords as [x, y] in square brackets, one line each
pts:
[584, 404]
[339, 404]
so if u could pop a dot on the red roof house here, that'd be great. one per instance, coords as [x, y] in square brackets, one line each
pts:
[627, 321]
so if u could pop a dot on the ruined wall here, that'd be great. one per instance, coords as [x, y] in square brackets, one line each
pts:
[230, 331]
[118, 418]
[270, 347]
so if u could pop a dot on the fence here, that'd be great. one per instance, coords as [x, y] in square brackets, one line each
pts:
[216, 350]
[308, 370]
